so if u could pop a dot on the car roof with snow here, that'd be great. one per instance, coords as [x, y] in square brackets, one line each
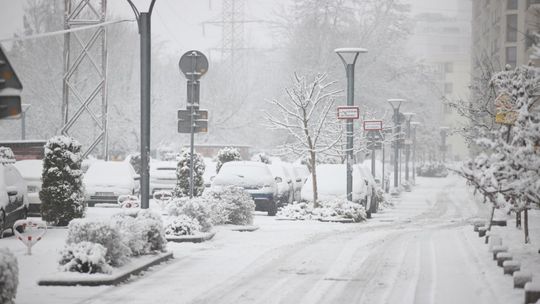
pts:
[30, 168]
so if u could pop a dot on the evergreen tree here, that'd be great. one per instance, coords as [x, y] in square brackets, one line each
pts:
[227, 154]
[62, 193]
[6, 155]
[182, 174]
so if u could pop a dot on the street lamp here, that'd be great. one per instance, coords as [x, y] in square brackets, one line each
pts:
[144, 21]
[444, 134]
[348, 56]
[396, 104]
[414, 125]
[408, 117]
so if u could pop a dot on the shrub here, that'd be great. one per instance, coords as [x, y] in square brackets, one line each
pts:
[62, 193]
[105, 233]
[195, 208]
[297, 211]
[226, 155]
[142, 231]
[231, 205]
[85, 257]
[342, 208]
[183, 171]
[9, 276]
[6, 156]
[182, 225]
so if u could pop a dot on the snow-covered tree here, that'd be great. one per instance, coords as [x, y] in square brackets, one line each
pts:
[304, 115]
[227, 154]
[183, 172]
[6, 155]
[62, 193]
[9, 276]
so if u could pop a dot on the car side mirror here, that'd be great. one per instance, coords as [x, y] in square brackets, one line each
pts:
[137, 177]
[12, 191]
[278, 179]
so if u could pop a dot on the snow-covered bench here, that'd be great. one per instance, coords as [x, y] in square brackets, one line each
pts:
[521, 278]
[511, 266]
[497, 249]
[503, 256]
[532, 292]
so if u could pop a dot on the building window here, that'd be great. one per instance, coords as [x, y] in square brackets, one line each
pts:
[512, 4]
[511, 28]
[511, 56]
[448, 67]
[448, 88]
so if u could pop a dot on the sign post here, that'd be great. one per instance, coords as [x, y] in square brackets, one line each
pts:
[375, 138]
[194, 65]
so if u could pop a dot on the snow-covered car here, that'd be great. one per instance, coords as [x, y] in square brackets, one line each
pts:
[301, 173]
[332, 184]
[13, 197]
[31, 170]
[162, 175]
[209, 171]
[106, 180]
[373, 187]
[255, 178]
[284, 183]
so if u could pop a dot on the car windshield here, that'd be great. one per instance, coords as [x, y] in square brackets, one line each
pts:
[243, 174]
[30, 169]
[108, 172]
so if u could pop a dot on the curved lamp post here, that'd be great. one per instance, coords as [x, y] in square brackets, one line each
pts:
[396, 104]
[408, 117]
[348, 56]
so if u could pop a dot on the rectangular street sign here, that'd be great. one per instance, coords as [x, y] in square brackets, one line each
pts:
[373, 125]
[348, 112]
[200, 121]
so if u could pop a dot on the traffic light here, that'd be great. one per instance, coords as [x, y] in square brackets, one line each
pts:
[10, 89]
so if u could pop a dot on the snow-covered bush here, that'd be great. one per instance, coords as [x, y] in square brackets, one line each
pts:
[262, 157]
[102, 232]
[182, 225]
[227, 154]
[85, 257]
[9, 276]
[297, 211]
[142, 231]
[6, 156]
[231, 205]
[195, 208]
[183, 172]
[62, 193]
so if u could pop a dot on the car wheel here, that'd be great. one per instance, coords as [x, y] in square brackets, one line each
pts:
[272, 208]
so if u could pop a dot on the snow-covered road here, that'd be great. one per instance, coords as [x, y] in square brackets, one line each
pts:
[421, 251]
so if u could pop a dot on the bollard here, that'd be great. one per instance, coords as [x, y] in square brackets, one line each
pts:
[29, 232]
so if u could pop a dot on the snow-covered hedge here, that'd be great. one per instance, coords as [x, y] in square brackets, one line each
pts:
[62, 192]
[6, 156]
[231, 205]
[142, 231]
[227, 154]
[102, 232]
[9, 276]
[85, 257]
[182, 225]
[338, 208]
[196, 208]
[183, 173]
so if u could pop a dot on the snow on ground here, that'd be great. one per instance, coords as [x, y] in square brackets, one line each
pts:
[423, 250]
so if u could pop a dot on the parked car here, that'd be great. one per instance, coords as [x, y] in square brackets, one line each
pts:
[13, 197]
[373, 187]
[255, 178]
[209, 171]
[162, 175]
[106, 180]
[31, 170]
[284, 183]
[332, 184]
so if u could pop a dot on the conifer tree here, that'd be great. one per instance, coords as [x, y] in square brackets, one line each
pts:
[182, 174]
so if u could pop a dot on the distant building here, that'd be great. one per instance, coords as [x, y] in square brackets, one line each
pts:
[442, 39]
[26, 149]
[503, 32]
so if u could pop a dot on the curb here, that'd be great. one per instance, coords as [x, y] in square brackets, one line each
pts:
[112, 279]
[191, 238]
[337, 220]
[248, 228]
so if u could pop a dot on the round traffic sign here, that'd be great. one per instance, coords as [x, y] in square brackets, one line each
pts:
[193, 64]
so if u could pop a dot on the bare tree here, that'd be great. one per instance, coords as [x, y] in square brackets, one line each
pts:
[305, 116]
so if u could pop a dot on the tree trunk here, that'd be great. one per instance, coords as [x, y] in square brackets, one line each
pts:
[491, 217]
[518, 219]
[314, 178]
[526, 225]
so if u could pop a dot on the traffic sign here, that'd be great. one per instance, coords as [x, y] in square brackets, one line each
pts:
[200, 121]
[348, 112]
[193, 64]
[373, 125]
[10, 89]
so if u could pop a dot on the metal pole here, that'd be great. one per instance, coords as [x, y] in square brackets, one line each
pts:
[408, 150]
[144, 31]
[383, 160]
[414, 156]
[396, 146]
[23, 125]
[373, 162]
[192, 116]
[350, 102]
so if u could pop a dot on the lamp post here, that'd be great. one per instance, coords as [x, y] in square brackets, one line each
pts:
[144, 22]
[396, 104]
[348, 56]
[408, 117]
[414, 125]
[444, 134]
